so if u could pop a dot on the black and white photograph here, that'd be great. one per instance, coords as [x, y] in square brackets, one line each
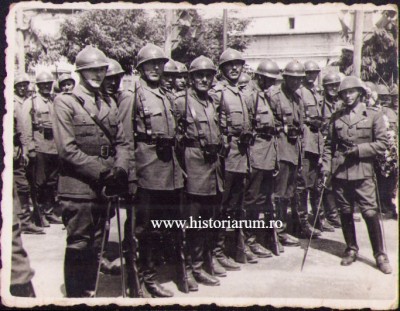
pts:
[177, 154]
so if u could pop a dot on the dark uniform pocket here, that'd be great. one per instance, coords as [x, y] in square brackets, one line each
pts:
[265, 116]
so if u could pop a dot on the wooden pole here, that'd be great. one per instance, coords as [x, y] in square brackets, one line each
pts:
[358, 42]
[168, 32]
[225, 29]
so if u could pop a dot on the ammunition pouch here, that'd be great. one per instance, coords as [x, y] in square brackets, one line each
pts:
[107, 151]
[314, 124]
[293, 132]
[246, 138]
[48, 133]
[266, 132]
[35, 126]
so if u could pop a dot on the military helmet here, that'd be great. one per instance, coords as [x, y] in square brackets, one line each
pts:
[294, 69]
[90, 57]
[171, 67]
[311, 66]
[202, 63]
[181, 67]
[351, 82]
[382, 90]
[394, 90]
[65, 77]
[20, 78]
[268, 68]
[244, 79]
[114, 68]
[330, 78]
[371, 86]
[150, 52]
[44, 77]
[230, 55]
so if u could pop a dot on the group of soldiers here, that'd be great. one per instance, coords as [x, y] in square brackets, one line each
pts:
[200, 142]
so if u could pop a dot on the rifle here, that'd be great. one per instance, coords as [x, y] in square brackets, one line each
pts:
[269, 216]
[183, 285]
[131, 256]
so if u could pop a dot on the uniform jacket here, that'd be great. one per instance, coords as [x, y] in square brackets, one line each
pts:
[79, 140]
[124, 101]
[38, 109]
[327, 109]
[263, 154]
[203, 177]
[233, 119]
[313, 141]
[153, 171]
[392, 118]
[367, 130]
[288, 110]
[18, 104]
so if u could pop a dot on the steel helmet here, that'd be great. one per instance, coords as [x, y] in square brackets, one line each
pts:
[90, 57]
[330, 78]
[294, 69]
[230, 55]
[181, 67]
[394, 90]
[382, 90]
[114, 68]
[65, 77]
[44, 77]
[20, 78]
[311, 66]
[371, 86]
[171, 67]
[268, 68]
[202, 63]
[244, 79]
[150, 52]
[351, 82]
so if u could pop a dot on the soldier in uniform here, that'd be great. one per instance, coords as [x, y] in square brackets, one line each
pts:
[387, 171]
[167, 81]
[21, 85]
[357, 134]
[263, 157]
[234, 120]
[330, 104]
[66, 83]
[288, 112]
[181, 77]
[394, 94]
[94, 157]
[371, 95]
[112, 81]
[312, 149]
[201, 140]
[149, 116]
[38, 144]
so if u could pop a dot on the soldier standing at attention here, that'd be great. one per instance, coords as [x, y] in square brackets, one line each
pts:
[313, 143]
[263, 156]
[181, 77]
[150, 125]
[288, 111]
[66, 83]
[21, 85]
[201, 140]
[234, 120]
[330, 104]
[38, 144]
[167, 81]
[94, 157]
[357, 134]
[111, 84]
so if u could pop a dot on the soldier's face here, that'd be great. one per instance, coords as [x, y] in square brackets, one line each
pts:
[152, 70]
[350, 96]
[232, 70]
[167, 80]
[332, 89]
[265, 82]
[111, 84]
[202, 80]
[293, 83]
[67, 85]
[45, 88]
[180, 82]
[21, 89]
[94, 77]
[311, 76]
[384, 100]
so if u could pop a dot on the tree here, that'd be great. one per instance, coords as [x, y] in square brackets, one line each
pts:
[205, 38]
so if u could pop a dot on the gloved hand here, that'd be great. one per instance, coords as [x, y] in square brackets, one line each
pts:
[132, 189]
[115, 181]
[325, 179]
[352, 153]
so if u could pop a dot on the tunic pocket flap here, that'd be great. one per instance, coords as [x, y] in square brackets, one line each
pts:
[156, 111]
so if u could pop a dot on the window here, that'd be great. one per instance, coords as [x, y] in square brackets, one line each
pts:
[291, 22]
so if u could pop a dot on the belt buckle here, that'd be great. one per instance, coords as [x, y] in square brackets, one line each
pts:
[104, 151]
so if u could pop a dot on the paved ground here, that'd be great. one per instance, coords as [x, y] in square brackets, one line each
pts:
[272, 280]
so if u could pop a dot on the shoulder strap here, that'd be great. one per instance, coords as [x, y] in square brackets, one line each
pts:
[200, 133]
[94, 118]
[256, 110]
[143, 110]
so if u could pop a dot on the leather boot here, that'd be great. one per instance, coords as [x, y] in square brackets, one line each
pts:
[23, 290]
[376, 238]
[285, 238]
[305, 227]
[73, 263]
[43, 218]
[27, 224]
[349, 233]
